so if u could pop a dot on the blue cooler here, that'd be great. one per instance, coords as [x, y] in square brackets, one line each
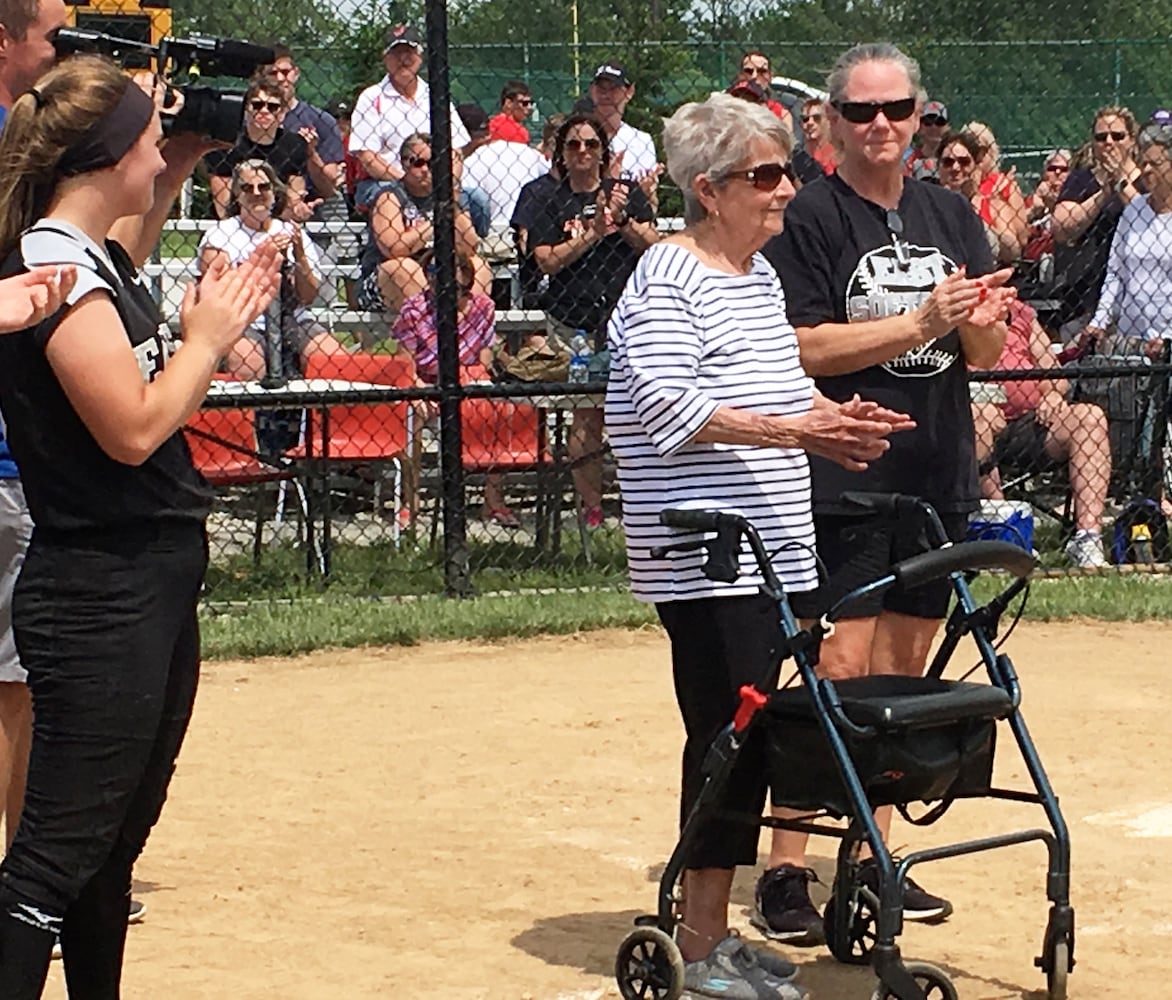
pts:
[1004, 521]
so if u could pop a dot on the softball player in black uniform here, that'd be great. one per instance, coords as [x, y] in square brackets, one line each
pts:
[104, 610]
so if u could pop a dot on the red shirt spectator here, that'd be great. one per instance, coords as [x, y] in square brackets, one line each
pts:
[503, 126]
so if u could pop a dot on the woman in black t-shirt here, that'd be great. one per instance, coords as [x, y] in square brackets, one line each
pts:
[587, 235]
[104, 610]
[886, 282]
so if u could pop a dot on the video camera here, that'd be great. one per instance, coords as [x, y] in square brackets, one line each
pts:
[203, 110]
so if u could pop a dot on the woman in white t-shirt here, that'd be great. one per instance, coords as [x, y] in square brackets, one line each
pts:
[257, 197]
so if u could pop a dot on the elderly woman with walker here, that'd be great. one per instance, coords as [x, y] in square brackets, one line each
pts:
[104, 610]
[708, 406]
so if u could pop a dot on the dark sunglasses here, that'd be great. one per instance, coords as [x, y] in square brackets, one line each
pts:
[524, 101]
[1113, 136]
[956, 161]
[765, 176]
[863, 112]
[755, 71]
[573, 145]
[273, 106]
[1057, 168]
[933, 120]
[811, 118]
[419, 161]
[260, 187]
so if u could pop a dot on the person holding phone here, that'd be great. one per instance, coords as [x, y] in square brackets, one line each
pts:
[104, 610]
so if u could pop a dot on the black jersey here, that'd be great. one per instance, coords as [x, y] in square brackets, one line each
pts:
[838, 263]
[69, 482]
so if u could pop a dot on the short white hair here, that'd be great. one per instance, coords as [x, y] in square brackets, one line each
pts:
[711, 137]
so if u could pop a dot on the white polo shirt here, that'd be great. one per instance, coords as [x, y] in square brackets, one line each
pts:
[638, 150]
[383, 119]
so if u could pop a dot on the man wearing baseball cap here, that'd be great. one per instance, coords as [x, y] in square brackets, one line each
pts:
[611, 91]
[389, 112]
[922, 161]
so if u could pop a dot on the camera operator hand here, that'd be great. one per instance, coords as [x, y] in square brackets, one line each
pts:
[228, 299]
[26, 299]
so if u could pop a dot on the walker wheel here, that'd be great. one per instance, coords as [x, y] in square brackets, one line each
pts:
[1059, 970]
[933, 981]
[850, 927]
[649, 966]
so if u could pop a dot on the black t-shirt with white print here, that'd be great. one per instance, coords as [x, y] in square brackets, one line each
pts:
[70, 483]
[838, 264]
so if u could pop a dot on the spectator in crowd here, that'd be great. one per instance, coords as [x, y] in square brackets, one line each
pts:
[319, 129]
[254, 207]
[957, 171]
[806, 168]
[633, 150]
[586, 236]
[415, 331]
[516, 107]
[401, 233]
[755, 66]
[708, 406]
[1134, 313]
[498, 169]
[530, 198]
[1040, 205]
[817, 132]
[390, 111]
[1087, 211]
[922, 160]
[999, 202]
[1036, 424]
[887, 282]
[263, 138]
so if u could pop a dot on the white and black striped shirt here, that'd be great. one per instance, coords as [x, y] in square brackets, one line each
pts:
[686, 339]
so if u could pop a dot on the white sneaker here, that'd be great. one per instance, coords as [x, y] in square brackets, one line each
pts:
[1085, 549]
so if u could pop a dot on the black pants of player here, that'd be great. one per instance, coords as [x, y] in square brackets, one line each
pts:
[719, 644]
[106, 627]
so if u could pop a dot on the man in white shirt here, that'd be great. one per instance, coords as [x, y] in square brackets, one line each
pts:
[389, 112]
[498, 169]
[611, 91]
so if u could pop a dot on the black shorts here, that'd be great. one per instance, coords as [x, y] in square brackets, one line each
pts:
[1021, 445]
[857, 549]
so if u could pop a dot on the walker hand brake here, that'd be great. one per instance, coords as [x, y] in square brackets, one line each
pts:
[752, 701]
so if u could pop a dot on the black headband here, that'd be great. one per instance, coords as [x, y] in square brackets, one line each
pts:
[108, 141]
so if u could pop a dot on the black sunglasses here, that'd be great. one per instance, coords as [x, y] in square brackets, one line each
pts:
[1114, 136]
[419, 161]
[933, 120]
[573, 145]
[273, 106]
[1057, 168]
[956, 161]
[260, 187]
[811, 118]
[765, 176]
[862, 112]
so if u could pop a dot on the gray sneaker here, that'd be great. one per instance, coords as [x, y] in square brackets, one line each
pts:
[732, 972]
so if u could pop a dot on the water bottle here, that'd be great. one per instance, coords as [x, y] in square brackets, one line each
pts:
[1141, 543]
[580, 358]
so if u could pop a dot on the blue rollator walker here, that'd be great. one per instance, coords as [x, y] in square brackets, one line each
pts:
[839, 749]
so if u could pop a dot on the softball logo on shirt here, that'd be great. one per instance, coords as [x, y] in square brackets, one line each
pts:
[883, 286]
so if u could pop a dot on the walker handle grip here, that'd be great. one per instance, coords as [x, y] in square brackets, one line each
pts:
[883, 503]
[940, 563]
[691, 520]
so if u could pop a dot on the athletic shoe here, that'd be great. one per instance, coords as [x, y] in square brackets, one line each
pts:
[137, 912]
[593, 518]
[771, 962]
[918, 903]
[1085, 550]
[732, 972]
[784, 911]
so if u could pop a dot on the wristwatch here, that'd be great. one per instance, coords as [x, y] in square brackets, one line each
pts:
[1123, 184]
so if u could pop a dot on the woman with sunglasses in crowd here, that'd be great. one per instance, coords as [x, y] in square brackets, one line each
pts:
[1040, 205]
[104, 610]
[998, 199]
[708, 407]
[587, 235]
[263, 138]
[890, 284]
[960, 153]
[257, 198]
[1087, 211]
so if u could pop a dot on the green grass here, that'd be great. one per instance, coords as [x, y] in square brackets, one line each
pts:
[178, 244]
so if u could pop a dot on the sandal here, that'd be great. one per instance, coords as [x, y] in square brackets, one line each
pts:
[502, 516]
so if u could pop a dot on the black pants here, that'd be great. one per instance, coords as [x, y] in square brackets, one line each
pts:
[106, 627]
[717, 645]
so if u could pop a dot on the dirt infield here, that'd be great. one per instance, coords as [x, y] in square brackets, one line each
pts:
[462, 821]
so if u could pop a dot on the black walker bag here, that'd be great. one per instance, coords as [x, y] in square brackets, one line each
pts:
[930, 740]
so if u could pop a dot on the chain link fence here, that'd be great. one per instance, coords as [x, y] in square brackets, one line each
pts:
[461, 194]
